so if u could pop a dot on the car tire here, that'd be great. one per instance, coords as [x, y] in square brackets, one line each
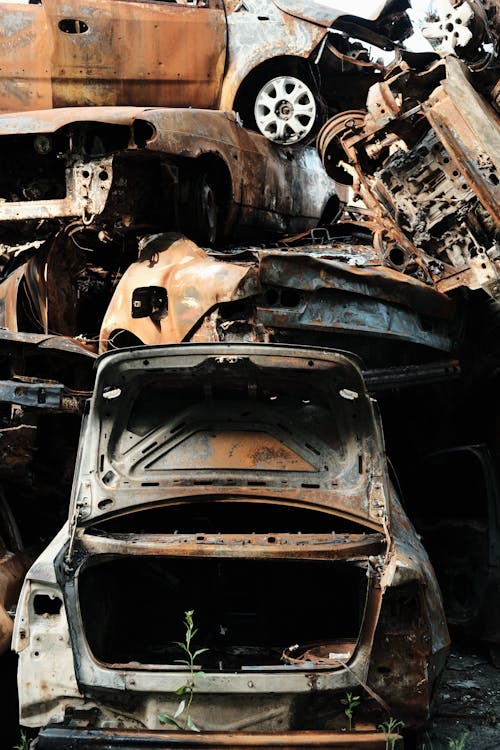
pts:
[286, 110]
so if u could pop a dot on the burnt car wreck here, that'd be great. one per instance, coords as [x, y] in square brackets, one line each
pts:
[119, 172]
[205, 319]
[290, 491]
[265, 60]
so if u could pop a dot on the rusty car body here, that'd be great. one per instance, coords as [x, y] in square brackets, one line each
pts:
[124, 170]
[261, 58]
[320, 290]
[337, 294]
[229, 479]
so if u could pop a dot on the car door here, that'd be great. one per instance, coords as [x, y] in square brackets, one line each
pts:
[123, 52]
[24, 58]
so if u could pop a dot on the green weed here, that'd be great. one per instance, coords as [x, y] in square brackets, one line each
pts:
[390, 727]
[182, 716]
[23, 743]
[351, 703]
[457, 744]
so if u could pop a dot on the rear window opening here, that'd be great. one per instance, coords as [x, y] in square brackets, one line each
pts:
[247, 611]
[214, 517]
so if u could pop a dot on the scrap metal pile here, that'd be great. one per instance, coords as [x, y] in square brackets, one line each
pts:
[262, 226]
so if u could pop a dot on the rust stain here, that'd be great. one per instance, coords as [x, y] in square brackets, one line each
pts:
[102, 54]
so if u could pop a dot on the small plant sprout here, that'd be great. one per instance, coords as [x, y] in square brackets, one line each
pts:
[389, 727]
[182, 716]
[23, 743]
[457, 743]
[351, 703]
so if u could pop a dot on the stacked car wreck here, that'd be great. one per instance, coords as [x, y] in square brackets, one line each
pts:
[250, 294]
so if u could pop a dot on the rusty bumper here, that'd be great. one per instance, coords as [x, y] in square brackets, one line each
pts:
[63, 738]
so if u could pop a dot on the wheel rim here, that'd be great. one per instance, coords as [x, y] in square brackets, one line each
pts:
[285, 110]
[452, 28]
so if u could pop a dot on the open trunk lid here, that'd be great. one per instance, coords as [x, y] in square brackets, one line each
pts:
[176, 424]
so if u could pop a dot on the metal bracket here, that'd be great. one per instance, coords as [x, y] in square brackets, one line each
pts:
[36, 395]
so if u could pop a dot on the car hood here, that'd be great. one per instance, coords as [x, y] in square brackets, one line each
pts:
[270, 423]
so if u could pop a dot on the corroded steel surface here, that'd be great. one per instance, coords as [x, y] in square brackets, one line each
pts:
[197, 284]
[257, 185]
[25, 75]
[470, 132]
[54, 738]
[276, 546]
[254, 445]
[110, 53]
[424, 160]
[13, 568]
[194, 282]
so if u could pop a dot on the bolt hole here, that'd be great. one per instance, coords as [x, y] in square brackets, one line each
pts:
[397, 256]
[106, 503]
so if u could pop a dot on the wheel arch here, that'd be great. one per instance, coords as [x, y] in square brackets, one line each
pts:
[225, 185]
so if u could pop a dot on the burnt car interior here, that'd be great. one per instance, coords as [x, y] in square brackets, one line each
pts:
[247, 627]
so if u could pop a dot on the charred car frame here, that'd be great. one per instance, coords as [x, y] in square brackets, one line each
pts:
[229, 479]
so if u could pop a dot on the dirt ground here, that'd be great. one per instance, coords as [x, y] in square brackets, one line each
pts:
[468, 704]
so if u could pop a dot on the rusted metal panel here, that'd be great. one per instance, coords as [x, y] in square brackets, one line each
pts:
[369, 299]
[136, 53]
[48, 396]
[194, 282]
[188, 145]
[87, 187]
[385, 283]
[25, 75]
[126, 472]
[107, 54]
[21, 342]
[266, 180]
[57, 738]
[326, 16]
[49, 120]
[9, 291]
[13, 568]
[157, 466]
[470, 131]
[259, 32]
[276, 546]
